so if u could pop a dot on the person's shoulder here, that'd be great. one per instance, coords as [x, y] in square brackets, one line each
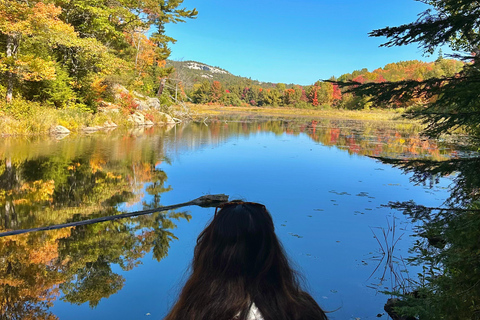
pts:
[254, 313]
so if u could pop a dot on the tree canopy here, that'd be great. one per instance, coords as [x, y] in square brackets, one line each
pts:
[64, 52]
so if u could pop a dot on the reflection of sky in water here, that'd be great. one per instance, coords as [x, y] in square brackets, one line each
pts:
[324, 202]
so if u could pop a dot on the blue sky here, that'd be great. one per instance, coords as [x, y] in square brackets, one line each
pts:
[297, 41]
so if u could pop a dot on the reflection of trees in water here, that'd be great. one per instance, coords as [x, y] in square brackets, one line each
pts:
[82, 184]
[30, 273]
[448, 241]
[464, 172]
[91, 250]
[401, 140]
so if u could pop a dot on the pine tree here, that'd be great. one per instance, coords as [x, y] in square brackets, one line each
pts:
[454, 101]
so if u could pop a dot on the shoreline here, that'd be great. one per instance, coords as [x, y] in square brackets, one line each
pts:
[44, 121]
[88, 123]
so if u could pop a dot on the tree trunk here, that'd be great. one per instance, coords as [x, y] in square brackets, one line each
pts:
[162, 85]
[11, 52]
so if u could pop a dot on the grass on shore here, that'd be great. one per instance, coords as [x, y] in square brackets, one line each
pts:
[21, 117]
[373, 114]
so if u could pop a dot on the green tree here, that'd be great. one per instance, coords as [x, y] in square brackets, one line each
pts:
[272, 97]
[201, 92]
[281, 86]
[231, 99]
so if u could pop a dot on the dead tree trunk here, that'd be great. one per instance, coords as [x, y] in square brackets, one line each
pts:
[11, 53]
[162, 85]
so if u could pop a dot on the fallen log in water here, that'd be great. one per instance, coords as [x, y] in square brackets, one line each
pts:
[203, 201]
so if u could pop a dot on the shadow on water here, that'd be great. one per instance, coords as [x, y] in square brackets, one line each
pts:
[46, 182]
[447, 242]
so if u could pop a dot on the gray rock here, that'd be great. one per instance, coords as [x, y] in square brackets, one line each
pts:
[137, 118]
[138, 95]
[142, 104]
[153, 103]
[107, 107]
[60, 130]
[168, 118]
[119, 90]
[92, 129]
[109, 124]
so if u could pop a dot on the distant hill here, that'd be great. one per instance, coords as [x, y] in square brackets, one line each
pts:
[191, 72]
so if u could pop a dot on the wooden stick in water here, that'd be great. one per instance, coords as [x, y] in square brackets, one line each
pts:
[203, 201]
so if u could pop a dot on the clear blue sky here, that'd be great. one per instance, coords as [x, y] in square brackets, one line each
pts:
[297, 41]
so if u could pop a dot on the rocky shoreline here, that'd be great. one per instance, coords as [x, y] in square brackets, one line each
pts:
[139, 118]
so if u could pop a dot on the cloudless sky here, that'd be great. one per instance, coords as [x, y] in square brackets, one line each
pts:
[296, 41]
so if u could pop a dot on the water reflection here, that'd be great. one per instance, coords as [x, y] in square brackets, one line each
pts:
[46, 182]
[390, 139]
[447, 244]
[81, 180]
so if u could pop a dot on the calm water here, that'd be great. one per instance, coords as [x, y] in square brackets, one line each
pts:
[317, 178]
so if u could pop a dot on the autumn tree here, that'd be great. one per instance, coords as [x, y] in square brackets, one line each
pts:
[122, 26]
[313, 94]
[216, 91]
[29, 31]
[292, 96]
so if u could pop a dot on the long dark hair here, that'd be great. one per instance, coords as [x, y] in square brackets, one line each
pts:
[238, 260]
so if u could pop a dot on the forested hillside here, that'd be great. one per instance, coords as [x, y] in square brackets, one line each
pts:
[191, 72]
[202, 86]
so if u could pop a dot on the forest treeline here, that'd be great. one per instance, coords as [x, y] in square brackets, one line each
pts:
[321, 94]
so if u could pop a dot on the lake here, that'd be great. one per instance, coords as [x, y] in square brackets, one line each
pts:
[319, 178]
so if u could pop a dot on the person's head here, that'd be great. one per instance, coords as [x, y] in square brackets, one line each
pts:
[240, 243]
[238, 260]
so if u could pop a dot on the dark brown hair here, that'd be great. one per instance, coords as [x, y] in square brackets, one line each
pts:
[238, 260]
